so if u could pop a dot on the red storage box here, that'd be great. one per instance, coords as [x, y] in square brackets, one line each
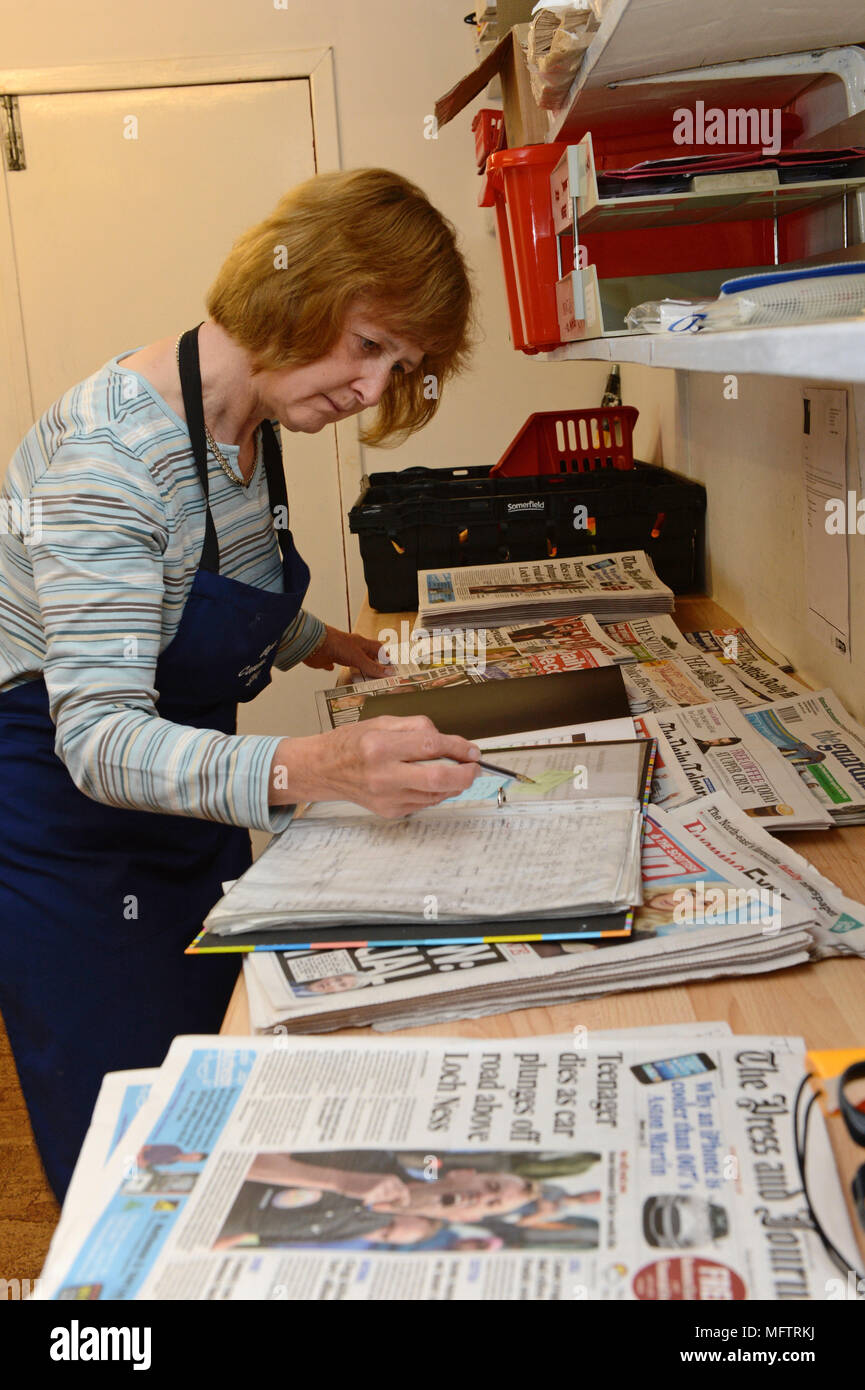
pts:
[571, 441]
[517, 184]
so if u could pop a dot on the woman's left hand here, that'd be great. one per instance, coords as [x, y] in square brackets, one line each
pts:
[349, 649]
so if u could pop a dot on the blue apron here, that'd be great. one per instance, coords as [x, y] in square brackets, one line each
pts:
[98, 903]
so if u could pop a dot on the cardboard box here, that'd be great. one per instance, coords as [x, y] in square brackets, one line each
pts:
[525, 122]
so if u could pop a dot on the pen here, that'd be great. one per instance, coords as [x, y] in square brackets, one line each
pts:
[505, 772]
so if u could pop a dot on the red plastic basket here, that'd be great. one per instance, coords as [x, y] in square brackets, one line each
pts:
[571, 441]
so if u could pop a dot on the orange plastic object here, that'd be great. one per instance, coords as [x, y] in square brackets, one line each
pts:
[517, 185]
[571, 441]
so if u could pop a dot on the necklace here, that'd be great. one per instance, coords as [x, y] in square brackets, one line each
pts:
[211, 442]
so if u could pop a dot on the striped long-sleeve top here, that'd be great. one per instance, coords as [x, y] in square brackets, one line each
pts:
[101, 529]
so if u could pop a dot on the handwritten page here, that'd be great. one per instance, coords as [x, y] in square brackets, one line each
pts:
[529, 861]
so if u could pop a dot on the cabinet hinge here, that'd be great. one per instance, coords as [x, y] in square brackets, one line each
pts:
[13, 140]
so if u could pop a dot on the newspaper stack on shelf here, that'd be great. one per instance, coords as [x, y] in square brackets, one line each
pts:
[616, 586]
[720, 898]
[301, 1169]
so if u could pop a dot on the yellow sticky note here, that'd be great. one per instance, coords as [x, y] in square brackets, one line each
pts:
[546, 782]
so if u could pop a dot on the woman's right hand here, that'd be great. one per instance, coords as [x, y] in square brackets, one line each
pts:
[384, 764]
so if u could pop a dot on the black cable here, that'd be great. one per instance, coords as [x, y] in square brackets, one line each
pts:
[841, 1264]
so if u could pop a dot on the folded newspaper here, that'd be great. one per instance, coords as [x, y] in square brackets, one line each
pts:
[694, 679]
[544, 1168]
[727, 899]
[739, 644]
[752, 675]
[825, 746]
[620, 585]
[715, 747]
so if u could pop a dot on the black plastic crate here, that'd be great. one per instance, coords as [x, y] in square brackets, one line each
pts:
[437, 518]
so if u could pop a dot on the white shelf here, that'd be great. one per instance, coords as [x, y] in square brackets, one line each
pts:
[639, 38]
[814, 351]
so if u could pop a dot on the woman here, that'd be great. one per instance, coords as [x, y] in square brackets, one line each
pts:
[149, 595]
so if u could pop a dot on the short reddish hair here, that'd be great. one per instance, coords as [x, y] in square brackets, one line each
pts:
[365, 234]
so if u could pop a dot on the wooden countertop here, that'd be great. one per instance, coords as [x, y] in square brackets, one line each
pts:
[823, 1002]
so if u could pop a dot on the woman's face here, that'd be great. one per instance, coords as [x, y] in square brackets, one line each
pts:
[351, 378]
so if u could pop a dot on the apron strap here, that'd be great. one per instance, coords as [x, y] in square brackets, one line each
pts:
[277, 495]
[190, 383]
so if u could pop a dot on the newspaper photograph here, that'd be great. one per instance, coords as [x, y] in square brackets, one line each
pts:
[716, 748]
[824, 745]
[454, 1169]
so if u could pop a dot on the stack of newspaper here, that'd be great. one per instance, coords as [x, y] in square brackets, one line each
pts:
[590, 1165]
[617, 586]
[719, 897]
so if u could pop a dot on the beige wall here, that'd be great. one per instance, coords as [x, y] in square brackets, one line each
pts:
[749, 454]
